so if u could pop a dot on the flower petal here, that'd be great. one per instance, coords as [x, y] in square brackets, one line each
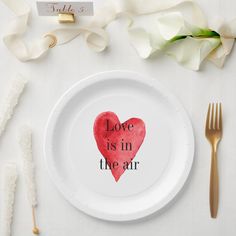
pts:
[172, 24]
[219, 55]
[140, 39]
[190, 52]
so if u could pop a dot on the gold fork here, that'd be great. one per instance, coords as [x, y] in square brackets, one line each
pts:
[213, 133]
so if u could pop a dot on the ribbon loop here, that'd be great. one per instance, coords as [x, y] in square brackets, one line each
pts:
[170, 27]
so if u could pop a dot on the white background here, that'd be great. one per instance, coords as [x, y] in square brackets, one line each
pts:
[52, 75]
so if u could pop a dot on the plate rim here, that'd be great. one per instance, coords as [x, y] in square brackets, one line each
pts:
[124, 74]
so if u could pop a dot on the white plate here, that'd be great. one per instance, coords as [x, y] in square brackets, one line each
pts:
[165, 157]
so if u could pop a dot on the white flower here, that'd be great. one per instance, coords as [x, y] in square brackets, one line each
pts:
[186, 43]
[190, 52]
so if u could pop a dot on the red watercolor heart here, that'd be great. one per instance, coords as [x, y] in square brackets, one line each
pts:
[131, 132]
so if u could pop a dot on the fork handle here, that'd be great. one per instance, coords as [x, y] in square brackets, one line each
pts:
[214, 185]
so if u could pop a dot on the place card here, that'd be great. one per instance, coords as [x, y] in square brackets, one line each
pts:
[52, 8]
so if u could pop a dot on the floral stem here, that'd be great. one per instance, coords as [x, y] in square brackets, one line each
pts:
[206, 33]
[201, 33]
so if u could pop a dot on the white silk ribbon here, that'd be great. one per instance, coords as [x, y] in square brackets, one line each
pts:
[96, 37]
[146, 40]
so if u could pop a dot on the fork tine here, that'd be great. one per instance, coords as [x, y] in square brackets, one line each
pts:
[220, 118]
[217, 117]
[208, 116]
[212, 116]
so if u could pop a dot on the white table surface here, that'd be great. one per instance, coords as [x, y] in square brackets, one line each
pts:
[52, 75]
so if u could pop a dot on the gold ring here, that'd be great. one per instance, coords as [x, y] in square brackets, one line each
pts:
[53, 40]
